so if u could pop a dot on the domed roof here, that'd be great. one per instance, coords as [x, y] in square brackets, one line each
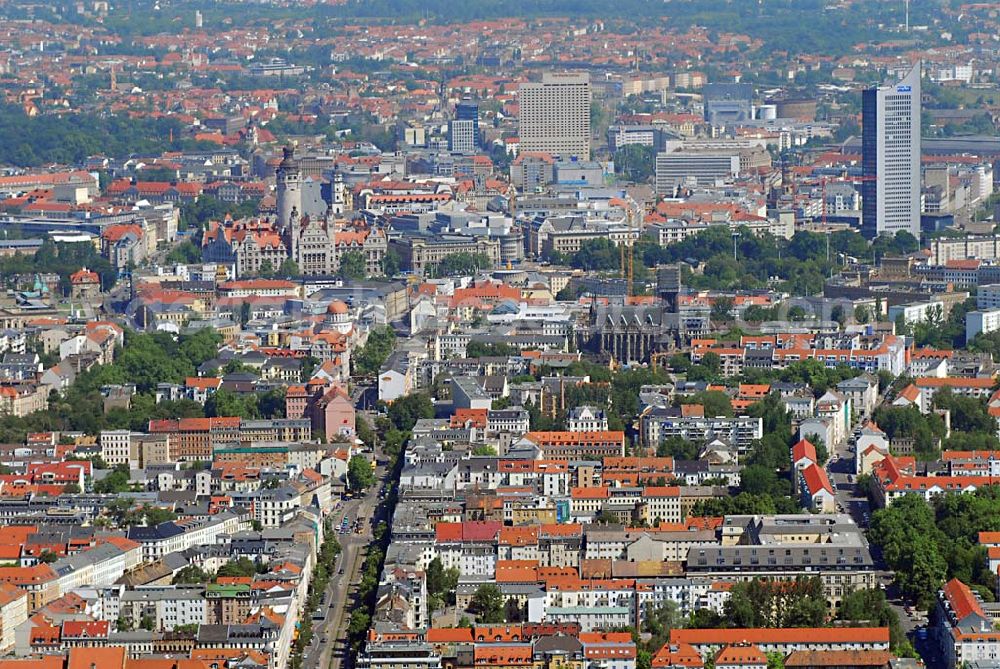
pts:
[337, 307]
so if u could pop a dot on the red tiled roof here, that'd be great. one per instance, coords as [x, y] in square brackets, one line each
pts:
[879, 635]
[963, 603]
[803, 449]
[816, 479]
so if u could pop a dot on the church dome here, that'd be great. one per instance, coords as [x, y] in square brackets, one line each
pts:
[337, 307]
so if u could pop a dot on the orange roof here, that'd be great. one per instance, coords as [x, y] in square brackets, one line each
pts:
[498, 655]
[816, 479]
[714, 637]
[804, 450]
[566, 437]
[33, 575]
[954, 382]
[740, 655]
[42, 662]
[661, 491]
[963, 602]
[518, 536]
[112, 657]
[449, 635]
[589, 493]
[10, 593]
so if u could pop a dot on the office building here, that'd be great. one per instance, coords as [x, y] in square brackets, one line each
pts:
[462, 136]
[890, 148]
[728, 103]
[555, 115]
[694, 168]
[468, 110]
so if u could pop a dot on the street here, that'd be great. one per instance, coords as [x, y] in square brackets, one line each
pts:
[340, 593]
[853, 501]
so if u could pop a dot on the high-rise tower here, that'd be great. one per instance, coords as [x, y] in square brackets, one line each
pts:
[289, 179]
[890, 157]
[555, 115]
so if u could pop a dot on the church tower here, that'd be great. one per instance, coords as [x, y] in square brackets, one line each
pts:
[337, 205]
[289, 179]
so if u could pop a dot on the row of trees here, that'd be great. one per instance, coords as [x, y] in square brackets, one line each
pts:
[70, 138]
[800, 264]
[379, 345]
[765, 603]
[972, 427]
[927, 543]
[145, 360]
[325, 560]
[58, 258]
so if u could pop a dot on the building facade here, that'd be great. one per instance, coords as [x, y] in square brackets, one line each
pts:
[890, 147]
[555, 115]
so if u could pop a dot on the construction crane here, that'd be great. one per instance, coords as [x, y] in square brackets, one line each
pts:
[654, 358]
[627, 261]
[627, 255]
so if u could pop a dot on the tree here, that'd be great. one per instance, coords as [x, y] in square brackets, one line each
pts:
[480, 349]
[714, 402]
[239, 567]
[359, 623]
[513, 611]
[870, 607]
[377, 348]
[185, 253]
[862, 313]
[678, 448]
[154, 515]
[777, 603]
[391, 263]
[659, 621]
[462, 264]
[635, 162]
[115, 482]
[245, 313]
[359, 473]
[266, 270]
[227, 403]
[488, 604]
[47, 557]
[911, 546]
[758, 480]
[352, 266]
[721, 308]
[434, 576]
[272, 403]
[288, 269]
[597, 255]
[406, 411]
[605, 518]
[191, 575]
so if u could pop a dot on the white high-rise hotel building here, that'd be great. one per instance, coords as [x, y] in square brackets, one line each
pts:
[555, 115]
[890, 148]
